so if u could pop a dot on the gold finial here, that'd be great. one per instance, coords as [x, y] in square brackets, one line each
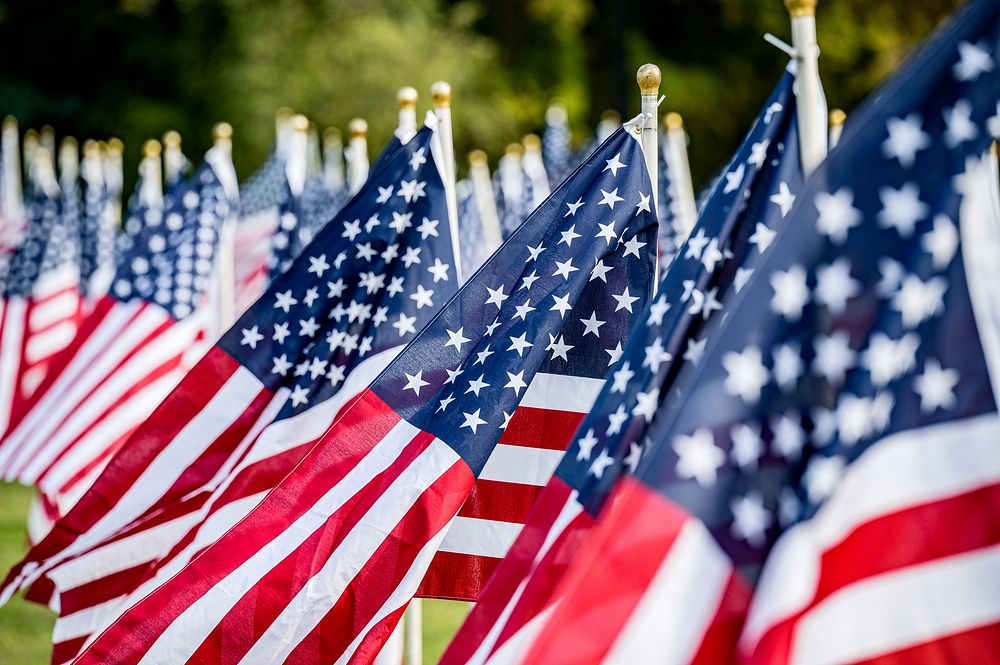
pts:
[477, 158]
[300, 123]
[284, 114]
[673, 121]
[48, 133]
[357, 128]
[441, 94]
[68, 143]
[172, 139]
[515, 149]
[151, 148]
[91, 148]
[801, 7]
[648, 77]
[837, 117]
[407, 97]
[531, 142]
[115, 146]
[331, 135]
[10, 122]
[222, 131]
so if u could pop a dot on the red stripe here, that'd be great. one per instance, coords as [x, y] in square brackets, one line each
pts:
[496, 500]
[376, 638]
[455, 576]
[63, 652]
[541, 428]
[980, 646]
[718, 645]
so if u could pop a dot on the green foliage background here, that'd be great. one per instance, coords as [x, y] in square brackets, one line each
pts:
[135, 68]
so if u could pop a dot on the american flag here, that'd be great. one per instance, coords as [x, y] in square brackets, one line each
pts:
[97, 232]
[129, 352]
[323, 568]
[263, 197]
[259, 400]
[823, 487]
[729, 239]
[557, 144]
[666, 211]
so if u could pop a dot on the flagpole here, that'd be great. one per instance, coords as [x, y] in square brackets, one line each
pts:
[222, 162]
[407, 99]
[680, 174]
[810, 99]
[837, 120]
[173, 158]
[297, 154]
[441, 99]
[414, 632]
[648, 77]
[534, 167]
[69, 161]
[357, 154]
[151, 193]
[282, 131]
[486, 205]
[13, 196]
[114, 176]
[333, 159]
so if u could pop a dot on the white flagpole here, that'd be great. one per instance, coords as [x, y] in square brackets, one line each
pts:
[357, 154]
[13, 196]
[810, 100]
[486, 205]
[29, 145]
[682, 188]
[151, 193]
[221, 159]
[173, 158]
[69, 162]
[407, 99]
[648, 77]
[114, 176]
[333, 159]
[534, 168]
[414, 632]
[282, 131]
[441, 99]
[297, 154]
[47, 140]
[837, 120]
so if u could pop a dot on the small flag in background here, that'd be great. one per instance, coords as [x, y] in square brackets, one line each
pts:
[557, 144]
[364, 513]
[823, 486]
[732, 235]
[263, 196]
[98, 229]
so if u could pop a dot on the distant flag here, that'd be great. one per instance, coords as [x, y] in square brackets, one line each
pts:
[731, 236]
[557, 144]
[250, 410]
[263, 197]
[509, 185]
[670, 236]
[363, 514]
[470, 228]
[823, 487]
[98, 228]
[536, 179]
[129, 352]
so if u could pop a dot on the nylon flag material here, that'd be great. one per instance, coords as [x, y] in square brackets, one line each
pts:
[743, 215]
[830, 470]
[258, 401]
[263, 197]
[323, 568]
[129, 352]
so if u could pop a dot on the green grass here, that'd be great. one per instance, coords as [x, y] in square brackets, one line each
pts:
[26, 628]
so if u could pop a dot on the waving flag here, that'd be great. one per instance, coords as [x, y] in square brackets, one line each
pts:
[834, 453]
[249, 411]
[730, 238]
[129, 352]
[363, 514]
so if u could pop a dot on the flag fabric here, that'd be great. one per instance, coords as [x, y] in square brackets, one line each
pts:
[823, 486]
[557, 144]
[263, 196]
[323, 568]
[670, 236]
[258, 401]
[129, 352]
[98, 228]
[471, 243]
[729, 240]
[511, 190]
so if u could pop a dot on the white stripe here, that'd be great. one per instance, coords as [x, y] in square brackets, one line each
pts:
[562, 392]
[189, 629]
[10, 358]
[67, 276]
[42, 346]
[319, 595]
[521, 464]
[909, 606]
[82, 623]
[515, 648]
[669, 622]
[55, 309]
[901, 471]
[469, 535]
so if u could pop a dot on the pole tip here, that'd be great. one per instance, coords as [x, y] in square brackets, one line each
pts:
[332, 135]
[172, 139]
[441, 94]
[222, 131]
[515, 149]
[357, 128]
[556, 113]
[673, 121]
[797, 8]
[407, 97]
[648, 77]
[837, 117]
[10, 123]
[115, 146]
[532, 142]
[477, 158]
[284, 114]
[300, 123]
[68, 143]
[151, 148]
[91, 148]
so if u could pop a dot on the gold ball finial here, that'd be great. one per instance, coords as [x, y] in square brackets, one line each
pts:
[441, 94]
[284, 114]
[115, 146]
[91, 148]
[515, 149]
[477, 158]
[357, 128]
[673, 121]
[837, 117]
[300, 123]
[172, 139]
[331, 134]
[222, 131]
[648, 77]
[801, 7]
[531, 142]
[10, 122]
[68, 143]
[407, 97]
[151, 148]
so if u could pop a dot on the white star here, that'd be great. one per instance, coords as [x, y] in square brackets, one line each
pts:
[751, 519]
[568, 236]
[529, 281]
[634, 456]
[747, 446]
[395, 286]
[822, 477]
[600, 271]
[335, 374]
[522, 310]
[535, 252]
[694, 350]
[562, 305]
[415, 382]
[422, 297]
[835, 286]
[592, 325]
[405, 324]
[787, 367]
[411, 190]
[625, 300]
[453, 374]
[520, 344]
[573, 207]
[481, 356]
[906, 139]
[476, 385]
[516, 382]
[758, 153]
[784, 199]
[695, 245]
[564, 268]
[558, 347]
[789, 437]
[656, 355]
[401, 221]
[318, 265]
[643, 205]
[633, 246]
[607, 232]
[711, 256]
[373, 221]
[917, 301]
[936, 387]
[351, 230]
[741, 278]
[365, 251]
[496, 296]
[506, 419]
[646, 404]
[410, 256]
[473, 421]
[941, 242]
[383, 194]
[733, 179]
[280, 332]
[613, 165]
[586, 445]
[281, 365]
[621, 377]
[284, 301]
[704, 303]
[698, 457]
[615, 354]
[610, 198]
[834, 356]
[746, 374]
[417, 158]
[308, 327]
[445, 403]
[762, 237]
[790, 292]
[973, 61]
[887, 359]
[616, 420]
[657, 310]
[854, 418]
[837, 214]
[602, 462]
[901, 208]
[892, 274]
[299, 396]
[456, 338]
[310, 297]
[336, 289]
[428, 228]
[961, 128]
